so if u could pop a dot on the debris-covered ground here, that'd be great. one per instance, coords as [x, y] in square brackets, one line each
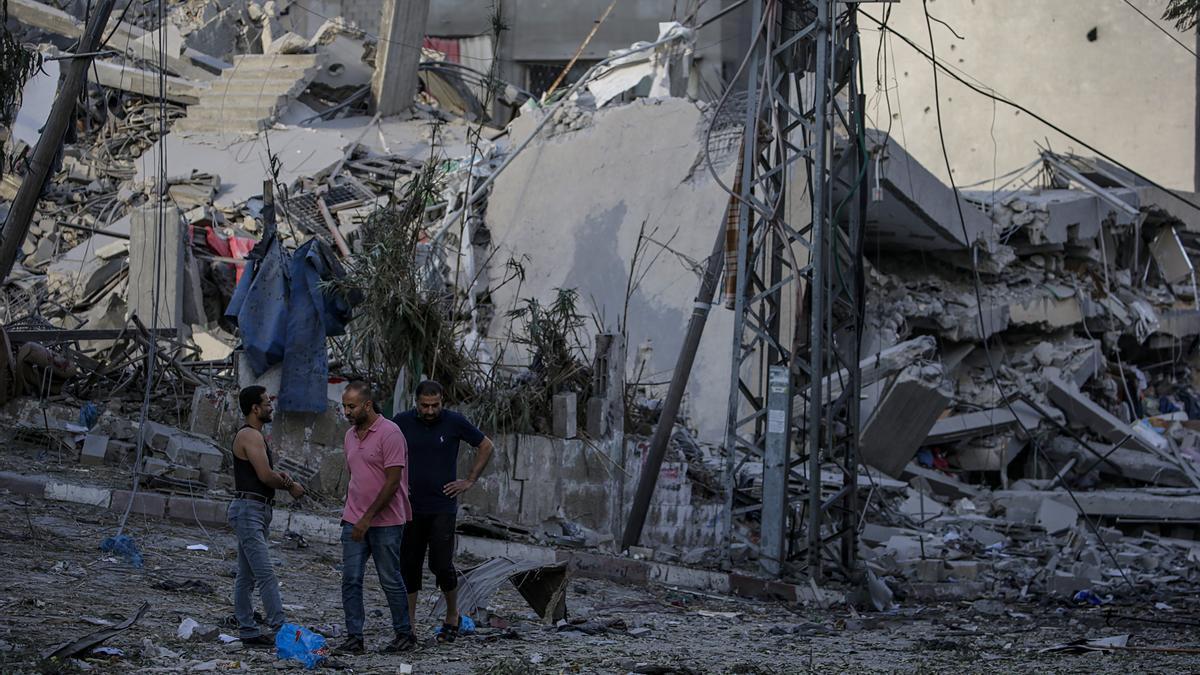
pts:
[1030, 427]
[56, 585]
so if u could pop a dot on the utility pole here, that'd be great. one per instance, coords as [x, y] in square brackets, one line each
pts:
[16, 226]
[401, 34]
[679, 380]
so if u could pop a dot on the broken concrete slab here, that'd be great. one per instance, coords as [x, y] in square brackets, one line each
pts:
[1122, 462]
[941, 484]
[1173, 261]
[982, 423]
[157, 278]
[1082, 411]
[137, 81]
[1055, 516]
[902, 419]
[917, 210]
[1148, 503]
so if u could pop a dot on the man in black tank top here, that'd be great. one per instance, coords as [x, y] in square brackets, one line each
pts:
[254, 482]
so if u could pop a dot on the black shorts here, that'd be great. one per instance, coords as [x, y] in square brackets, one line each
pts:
[432, 532]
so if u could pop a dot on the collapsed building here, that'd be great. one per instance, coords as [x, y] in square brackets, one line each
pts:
[1029, 406]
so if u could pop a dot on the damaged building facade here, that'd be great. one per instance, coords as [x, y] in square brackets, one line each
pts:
[731, 333]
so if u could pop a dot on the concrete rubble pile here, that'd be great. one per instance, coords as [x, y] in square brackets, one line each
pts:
[1043, 419]
[1030, 405]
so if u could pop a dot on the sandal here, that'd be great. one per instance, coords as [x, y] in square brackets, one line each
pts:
[448, 633]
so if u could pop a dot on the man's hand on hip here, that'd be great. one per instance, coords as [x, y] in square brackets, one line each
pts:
[458, 487]
[360, 529]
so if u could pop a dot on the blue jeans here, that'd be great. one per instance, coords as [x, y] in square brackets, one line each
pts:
[250, 521]
[382, 543]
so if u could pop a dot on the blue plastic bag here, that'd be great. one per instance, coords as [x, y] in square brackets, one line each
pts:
[300, 644]
[466, 626]
[124, 546]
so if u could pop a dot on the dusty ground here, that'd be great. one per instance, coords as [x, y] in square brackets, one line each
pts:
[53, 575]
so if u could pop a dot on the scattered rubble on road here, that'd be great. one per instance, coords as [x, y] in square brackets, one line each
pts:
[229, 211]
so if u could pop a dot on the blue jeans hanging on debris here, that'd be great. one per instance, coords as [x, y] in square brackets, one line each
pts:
[259, 304]
[251, 521]
[284, 316]
[313, 315]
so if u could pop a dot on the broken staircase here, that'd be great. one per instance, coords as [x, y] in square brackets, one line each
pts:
[249, 97]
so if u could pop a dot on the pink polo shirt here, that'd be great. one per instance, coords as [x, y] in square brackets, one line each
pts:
[383, 447]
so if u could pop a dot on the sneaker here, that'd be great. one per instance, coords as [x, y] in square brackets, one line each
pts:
[260, 640]
[448, 633]
[351, 645]
[404, 642]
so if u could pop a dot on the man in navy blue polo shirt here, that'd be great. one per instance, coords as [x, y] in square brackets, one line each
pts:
[433, 434]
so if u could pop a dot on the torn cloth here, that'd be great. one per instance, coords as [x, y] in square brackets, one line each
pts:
[259, 304]
[284, 316]
[312, 315]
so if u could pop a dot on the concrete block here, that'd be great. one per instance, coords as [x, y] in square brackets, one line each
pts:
[565, 412]
[144, 503]
[313, 527]
[1065, 584]
[154, 466]
[597, 420]
[192, 451]
[1056, 517]
[214, 414]
[185, 473]
[120, 452]
[95, 449]
[207, 511]
[900, 423]
[929, 571]
[961, 570]
[78, 494]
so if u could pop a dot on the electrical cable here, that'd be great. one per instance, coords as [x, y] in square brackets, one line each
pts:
[1160, 28]
[1012, 104]
[156, 288]
[979, 295]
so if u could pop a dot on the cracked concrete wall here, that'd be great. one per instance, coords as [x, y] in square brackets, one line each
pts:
[570, 208]
[1130, 93]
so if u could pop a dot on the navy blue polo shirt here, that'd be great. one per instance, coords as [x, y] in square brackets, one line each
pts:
[433, 457]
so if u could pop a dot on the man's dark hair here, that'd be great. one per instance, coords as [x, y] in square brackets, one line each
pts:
[430, 388]
[362, 388]
[250, 397]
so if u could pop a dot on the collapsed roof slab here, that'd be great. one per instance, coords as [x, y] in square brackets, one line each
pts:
[917, 210]
[1147, 503]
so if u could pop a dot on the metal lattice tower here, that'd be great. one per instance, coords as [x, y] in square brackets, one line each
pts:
[794, 396]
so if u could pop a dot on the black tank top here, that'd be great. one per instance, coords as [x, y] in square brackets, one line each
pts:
[244, 477]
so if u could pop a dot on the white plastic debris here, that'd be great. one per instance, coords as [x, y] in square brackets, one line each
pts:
[186, 628]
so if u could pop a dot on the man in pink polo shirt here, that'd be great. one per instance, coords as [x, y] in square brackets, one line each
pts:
[373, 521]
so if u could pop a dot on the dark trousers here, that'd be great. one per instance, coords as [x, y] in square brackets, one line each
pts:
[432, 532]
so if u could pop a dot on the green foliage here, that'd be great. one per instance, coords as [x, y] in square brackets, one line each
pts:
[1183, 12]
[17, 65]
[404, 323]
[550, 334]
